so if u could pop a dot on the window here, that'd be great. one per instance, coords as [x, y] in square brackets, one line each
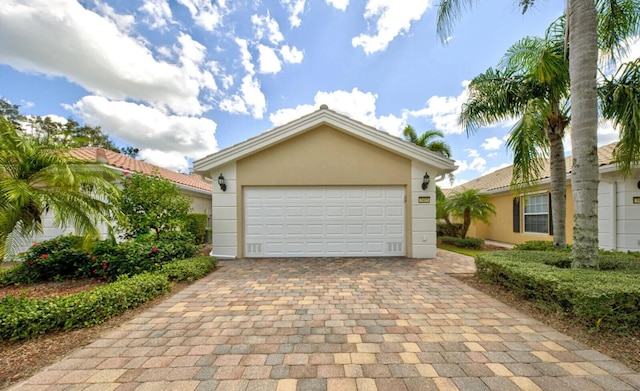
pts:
[536, 213]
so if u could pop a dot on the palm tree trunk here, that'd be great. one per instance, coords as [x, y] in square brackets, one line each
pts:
[558, 173]
[583, 58]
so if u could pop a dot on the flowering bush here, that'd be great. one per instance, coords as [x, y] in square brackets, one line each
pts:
[54, 259]
[63, 257]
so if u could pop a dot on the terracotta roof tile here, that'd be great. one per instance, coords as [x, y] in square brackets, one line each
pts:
[126, 163]
[501, 179]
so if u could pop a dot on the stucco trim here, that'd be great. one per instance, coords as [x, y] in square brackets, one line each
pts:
[341, 122]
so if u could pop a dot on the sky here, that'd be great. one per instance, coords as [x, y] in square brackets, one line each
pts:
[181, 79]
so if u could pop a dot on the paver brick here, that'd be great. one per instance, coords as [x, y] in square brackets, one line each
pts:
[338, 324]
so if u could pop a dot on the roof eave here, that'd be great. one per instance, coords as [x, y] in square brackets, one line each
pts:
[315, 119]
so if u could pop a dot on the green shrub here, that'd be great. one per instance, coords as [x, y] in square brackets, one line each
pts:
[55, 259]
[197, 226]
[189, 269]
[463, 243]
[539, 245]
[27, 317]
[607, 300]
[444, 229]
[132, 257]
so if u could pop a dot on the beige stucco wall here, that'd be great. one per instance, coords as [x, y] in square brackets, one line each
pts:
[322, 156]
[501, 227]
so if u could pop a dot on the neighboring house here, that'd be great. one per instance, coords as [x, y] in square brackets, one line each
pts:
[192, 185]
[323, 185]
[521, 217]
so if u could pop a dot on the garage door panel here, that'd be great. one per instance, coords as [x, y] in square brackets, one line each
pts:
[324, 221]
[313, 211]
[395, 229]
[335, 229]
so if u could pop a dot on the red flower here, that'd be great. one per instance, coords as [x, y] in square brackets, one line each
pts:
[30, 262]
[33, 245]
[104, 266]
[154, 250]
[95, 271]
[44, 256]
[126, 172]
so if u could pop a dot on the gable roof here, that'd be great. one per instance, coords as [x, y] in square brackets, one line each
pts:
[501, 179]
[127, 163]
[324, 116]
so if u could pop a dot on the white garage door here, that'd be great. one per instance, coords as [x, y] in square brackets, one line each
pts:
[324, 221]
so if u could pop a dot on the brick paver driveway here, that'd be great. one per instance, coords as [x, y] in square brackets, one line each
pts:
[333, 324]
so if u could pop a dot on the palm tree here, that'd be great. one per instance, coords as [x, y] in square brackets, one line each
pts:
[425, 140]
[37, 178]
[470, 205]
[532, 83]
[618, 20]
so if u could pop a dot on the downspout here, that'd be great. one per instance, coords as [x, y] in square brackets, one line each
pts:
[614, 215]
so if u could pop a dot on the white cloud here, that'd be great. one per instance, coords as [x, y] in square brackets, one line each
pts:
[158, 11]
[444, 111]
[295, 8]
[149, 129]
[124, 22]
[268, 60]
[291, 55]
[267, 28]
[253, 97]
[205, 13]
[339, 4]
[61, 38]
[170, 160]
[245, 55]
[476, 163]
[394, 17]
[491, 143]
[356, 104]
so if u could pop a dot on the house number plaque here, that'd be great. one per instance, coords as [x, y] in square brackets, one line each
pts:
[426, 200]
[636, 200]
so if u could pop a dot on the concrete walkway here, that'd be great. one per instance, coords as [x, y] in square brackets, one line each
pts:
[335, 324]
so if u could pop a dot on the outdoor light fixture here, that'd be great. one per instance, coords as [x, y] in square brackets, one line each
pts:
[223, 185]
[425, 181]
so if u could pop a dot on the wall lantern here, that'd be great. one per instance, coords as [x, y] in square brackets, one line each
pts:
[425, 181]
[223, 185]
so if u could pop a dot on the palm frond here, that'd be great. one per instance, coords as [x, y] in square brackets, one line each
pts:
[530, 145]
[620, 102]
[449, 11]
[618, 21]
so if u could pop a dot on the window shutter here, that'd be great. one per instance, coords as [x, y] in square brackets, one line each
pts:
[516, 214]
[550, 216]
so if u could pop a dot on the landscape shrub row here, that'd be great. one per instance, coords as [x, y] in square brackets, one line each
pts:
[608, 300]
[22, 317]
[463, 243]
[190, 269]
[64, 258]
[444, 229]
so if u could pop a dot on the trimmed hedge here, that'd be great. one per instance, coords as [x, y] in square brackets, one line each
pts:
[189, 269]
[608, 300]
[539, 245]
[28, 317]
[463, 243]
